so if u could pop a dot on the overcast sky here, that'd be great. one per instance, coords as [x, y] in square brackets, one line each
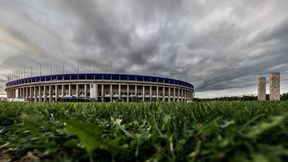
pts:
[219, 46]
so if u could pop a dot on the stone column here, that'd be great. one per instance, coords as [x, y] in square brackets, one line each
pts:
[96, 92]
[102, 92]
[182, 95]
[275, 87]
[174, 94]
[56, 93]
[157, 93]
[119, 91]
[128, 91]
[143, 93]
[178, 95]
[35, 94]
[40, 94]
[30, 91]
[169, 94]
[136, 91]
[111, 92]
[150, 95]
[20, 92]
[163, 94]
[50, 93]
[85, 91]
[77, 91]
[27, 95]
[69, 90]
[63, 90]
[261, 88]
[45, 93]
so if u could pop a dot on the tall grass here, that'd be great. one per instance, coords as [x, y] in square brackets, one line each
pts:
[199, 131]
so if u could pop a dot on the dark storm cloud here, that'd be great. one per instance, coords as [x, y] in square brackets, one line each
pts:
[217, 45]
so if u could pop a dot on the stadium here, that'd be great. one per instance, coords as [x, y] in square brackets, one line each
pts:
[100, 87]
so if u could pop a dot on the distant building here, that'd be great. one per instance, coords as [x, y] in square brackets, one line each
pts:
[100, 87]
[3, 99]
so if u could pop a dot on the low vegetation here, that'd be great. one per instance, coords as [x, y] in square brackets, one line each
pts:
[198, 131]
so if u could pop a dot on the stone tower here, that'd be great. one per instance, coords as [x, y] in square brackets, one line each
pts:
[274, 87]
[262, 89]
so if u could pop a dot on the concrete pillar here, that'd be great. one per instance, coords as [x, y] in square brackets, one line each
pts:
[56, 93]
[119, 91]
[85, 91]
[111, 92]
[69, 90]
[163, 94]
[20, 92]
[169, 94]
[157, 93]
[96, 92]
[143, 93]
[274, 87]
[128, 91]
[30, 91]
[150, 95]
[102, 92]
[77, 91]
[62, 91]
[40, 94]
[178, 95]
[35, 94]
[136, 91]
[181, 95]
[27, 96]
[45, 93]
[174, 94]
[50, 93]
[261, 88]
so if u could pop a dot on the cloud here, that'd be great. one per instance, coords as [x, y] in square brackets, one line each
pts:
[217, 45]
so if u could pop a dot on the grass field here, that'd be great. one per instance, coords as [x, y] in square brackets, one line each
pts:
[199, 131]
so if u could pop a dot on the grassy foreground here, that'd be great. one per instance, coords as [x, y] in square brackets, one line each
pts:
[199, 131]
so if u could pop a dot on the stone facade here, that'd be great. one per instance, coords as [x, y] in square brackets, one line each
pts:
[274, 87]
[103, 91]
[262, 89]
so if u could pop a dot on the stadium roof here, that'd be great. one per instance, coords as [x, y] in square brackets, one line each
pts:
[99, 76]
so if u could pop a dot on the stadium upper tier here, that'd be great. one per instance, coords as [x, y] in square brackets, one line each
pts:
[99, 87]
[98, 76]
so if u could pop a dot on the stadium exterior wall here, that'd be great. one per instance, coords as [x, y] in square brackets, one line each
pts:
[100, 87]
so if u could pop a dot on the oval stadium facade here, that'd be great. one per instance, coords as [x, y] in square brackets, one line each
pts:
[100, 87]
